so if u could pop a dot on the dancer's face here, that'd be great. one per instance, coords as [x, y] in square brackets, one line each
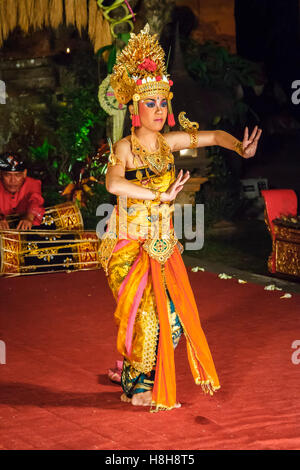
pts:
[153, 112]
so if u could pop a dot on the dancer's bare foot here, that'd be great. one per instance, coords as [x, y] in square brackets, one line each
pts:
[114, 374]
[125, 398]
[142, 399]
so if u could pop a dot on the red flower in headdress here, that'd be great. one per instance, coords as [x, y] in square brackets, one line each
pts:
[148, 65]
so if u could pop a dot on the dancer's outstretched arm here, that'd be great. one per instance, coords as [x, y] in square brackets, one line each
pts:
[247, 148]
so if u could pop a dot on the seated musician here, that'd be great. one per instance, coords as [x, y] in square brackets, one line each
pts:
[20, 195]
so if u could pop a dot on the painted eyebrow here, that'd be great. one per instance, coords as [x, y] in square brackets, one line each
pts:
[154, 101]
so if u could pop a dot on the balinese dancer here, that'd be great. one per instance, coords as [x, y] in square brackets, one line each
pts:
[139, 251]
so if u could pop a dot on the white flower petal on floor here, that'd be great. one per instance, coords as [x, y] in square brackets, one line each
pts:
[224, 276]
[272, 287]
[197, 268]
[286, 296]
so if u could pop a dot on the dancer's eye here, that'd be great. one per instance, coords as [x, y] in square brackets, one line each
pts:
[150, 104]
[164, 103]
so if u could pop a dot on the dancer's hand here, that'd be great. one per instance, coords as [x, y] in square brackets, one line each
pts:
[175, 187]
[250, 144]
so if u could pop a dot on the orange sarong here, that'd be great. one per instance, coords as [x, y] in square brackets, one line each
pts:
[172, 276]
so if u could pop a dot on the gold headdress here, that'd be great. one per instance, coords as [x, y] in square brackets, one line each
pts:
[140, 72]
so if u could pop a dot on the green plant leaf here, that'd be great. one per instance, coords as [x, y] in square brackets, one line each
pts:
[124, 37]
[104, 48]
[112, 59]
[216, 120]
[64, 178]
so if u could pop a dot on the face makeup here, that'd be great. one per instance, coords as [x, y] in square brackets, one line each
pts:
[153, 112]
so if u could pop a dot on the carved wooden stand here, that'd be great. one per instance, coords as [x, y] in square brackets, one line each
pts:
[286, 247]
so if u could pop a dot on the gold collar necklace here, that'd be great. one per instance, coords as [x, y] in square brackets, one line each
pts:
[158, 160]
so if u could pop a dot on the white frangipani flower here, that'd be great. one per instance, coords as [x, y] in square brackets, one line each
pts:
[197, 268]
[224, 276]
[286, 296]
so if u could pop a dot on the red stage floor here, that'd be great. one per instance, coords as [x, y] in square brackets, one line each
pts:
[60, 340]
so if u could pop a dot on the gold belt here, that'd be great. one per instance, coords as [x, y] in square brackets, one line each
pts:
[160, 248]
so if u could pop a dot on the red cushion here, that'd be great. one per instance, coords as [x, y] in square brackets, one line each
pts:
[279, 202]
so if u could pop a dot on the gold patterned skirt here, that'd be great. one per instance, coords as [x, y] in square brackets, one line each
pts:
[141, 257]
[139, 372]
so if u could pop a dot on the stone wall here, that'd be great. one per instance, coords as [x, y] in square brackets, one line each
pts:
[21, 116]
[34, 68]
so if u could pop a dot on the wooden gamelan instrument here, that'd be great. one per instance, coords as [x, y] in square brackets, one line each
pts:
[58, 244]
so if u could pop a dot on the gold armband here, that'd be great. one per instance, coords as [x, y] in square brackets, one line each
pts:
[238, 148]
[190, 128]
[113, 160]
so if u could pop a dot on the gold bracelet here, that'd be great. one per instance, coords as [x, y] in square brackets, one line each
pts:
[157, 195]
[194, 140]
[238, 147]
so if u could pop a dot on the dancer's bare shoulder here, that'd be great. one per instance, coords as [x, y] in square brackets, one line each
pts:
[123, 144]
[123, 150]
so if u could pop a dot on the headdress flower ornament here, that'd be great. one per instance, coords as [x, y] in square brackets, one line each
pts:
[148, 65]
[140, 72]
